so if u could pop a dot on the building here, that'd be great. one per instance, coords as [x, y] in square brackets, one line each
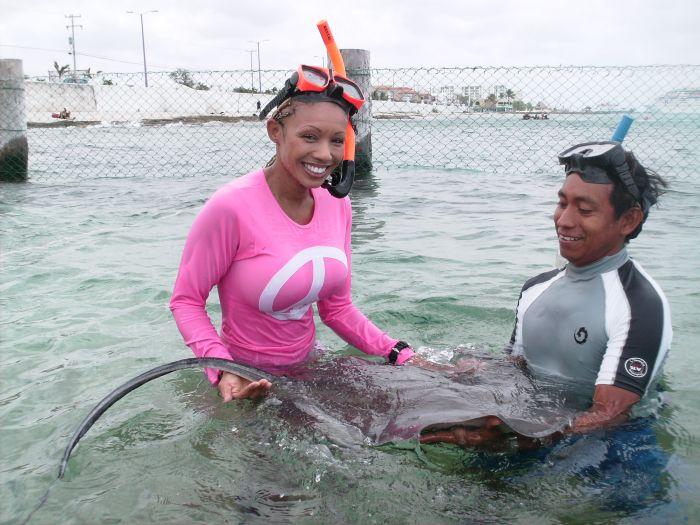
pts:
[504, 105]
[447, 95]
[498, 90]
[471, 94]
[401, 94]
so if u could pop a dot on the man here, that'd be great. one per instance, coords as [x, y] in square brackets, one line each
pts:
[600, 323]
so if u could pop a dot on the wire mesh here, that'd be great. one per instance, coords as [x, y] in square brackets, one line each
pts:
[195, 123]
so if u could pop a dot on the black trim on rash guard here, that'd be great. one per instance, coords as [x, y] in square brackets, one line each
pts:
[645, 331]
[541, 278]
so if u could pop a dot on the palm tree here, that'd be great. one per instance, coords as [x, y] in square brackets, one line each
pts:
[90, 74]
[510, 94]
[61, 70]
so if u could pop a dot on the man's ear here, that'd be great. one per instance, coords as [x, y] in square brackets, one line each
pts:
[274, 131]
[630, 220]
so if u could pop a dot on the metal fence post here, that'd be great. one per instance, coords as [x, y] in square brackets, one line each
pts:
[357, 67]
[14, 151]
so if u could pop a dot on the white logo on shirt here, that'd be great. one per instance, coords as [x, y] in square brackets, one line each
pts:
[636, 367]
[315, 255]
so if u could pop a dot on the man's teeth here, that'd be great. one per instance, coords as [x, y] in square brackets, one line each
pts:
[566, 238]
[314, 169]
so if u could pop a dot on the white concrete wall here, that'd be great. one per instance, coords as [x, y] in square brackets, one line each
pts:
[45, 98]
[133, 103]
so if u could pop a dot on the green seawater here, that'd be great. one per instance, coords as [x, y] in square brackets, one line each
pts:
[439, 256]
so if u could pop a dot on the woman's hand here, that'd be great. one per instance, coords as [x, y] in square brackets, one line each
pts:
[469, 366]
[232, 386]
[463, 366]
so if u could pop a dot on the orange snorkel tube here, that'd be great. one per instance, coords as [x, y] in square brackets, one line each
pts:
[341, 183]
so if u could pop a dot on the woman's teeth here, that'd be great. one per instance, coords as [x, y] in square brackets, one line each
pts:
[314, 169]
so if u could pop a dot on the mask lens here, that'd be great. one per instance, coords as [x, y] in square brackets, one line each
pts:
[350, 89]
[592, 152]
[594, 175]
[315, 77]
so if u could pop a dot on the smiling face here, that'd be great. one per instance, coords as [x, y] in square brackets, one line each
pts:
[586, 224]
[310, 142]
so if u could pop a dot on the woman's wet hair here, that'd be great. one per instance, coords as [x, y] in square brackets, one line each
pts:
[288, 107]
[651, 185]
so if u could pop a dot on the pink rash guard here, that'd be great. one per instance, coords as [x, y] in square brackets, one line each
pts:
[268, 271]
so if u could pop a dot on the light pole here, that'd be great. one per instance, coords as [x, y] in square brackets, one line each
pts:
[252, 86]
[143, 44]
[323, 59]
[258, 42]
[71, 40]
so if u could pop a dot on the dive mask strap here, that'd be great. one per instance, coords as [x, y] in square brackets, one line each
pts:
[622, 170]
[286, 92]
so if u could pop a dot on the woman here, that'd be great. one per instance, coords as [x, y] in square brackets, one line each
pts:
[275, 241]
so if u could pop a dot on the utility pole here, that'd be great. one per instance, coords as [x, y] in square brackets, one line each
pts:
[71, 41]
[252, 85]
[323, 59]
[258, 42]
[143, 44]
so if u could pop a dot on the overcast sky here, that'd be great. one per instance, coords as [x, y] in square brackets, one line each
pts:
[215, 34]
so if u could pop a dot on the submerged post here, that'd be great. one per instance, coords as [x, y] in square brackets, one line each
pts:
[357, 68]
[14, 151]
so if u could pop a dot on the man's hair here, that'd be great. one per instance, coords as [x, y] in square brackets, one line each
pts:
[650, 185]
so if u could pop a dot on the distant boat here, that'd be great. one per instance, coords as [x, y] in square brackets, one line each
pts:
[536, 116]
[679, 101]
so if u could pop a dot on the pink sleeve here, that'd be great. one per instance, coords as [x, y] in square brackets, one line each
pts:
[343, 317]
[208, 253]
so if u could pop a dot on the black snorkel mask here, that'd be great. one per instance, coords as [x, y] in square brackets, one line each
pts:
[601, 163]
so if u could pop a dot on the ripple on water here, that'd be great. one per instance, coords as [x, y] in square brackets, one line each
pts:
[439, 258]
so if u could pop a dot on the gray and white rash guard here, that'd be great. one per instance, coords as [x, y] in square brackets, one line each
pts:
[607, 323]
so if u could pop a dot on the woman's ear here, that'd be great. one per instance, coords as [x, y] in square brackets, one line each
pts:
[274, 131]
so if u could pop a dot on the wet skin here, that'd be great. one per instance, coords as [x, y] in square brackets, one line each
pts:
[309, 143]
[585, 222]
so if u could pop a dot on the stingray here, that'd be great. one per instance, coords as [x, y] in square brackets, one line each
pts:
[354, 402]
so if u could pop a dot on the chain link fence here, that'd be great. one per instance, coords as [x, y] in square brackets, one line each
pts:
[491, 119]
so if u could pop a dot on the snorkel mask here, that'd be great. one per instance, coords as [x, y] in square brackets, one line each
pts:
[322, 83]
[601, 163]
[318, 83]
[314, 83]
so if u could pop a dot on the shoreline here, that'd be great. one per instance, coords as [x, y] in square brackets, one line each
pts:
[93, 105]
[203, 119]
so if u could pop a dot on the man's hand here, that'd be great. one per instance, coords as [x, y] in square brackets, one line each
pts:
[466, 437]
[232, 386]
[611, 406]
